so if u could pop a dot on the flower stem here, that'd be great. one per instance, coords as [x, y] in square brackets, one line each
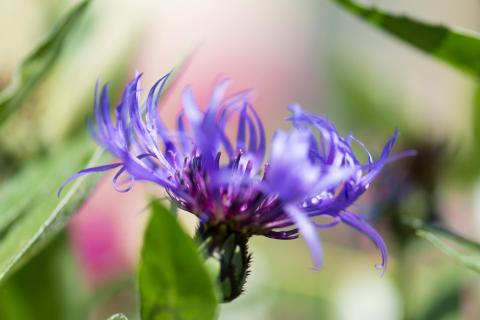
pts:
[230, 250]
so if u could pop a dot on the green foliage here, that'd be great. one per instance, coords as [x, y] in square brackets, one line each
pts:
[359, 104]
[37, 64]
[455, 47]
[439, 236]
[469, 168]
[30, 211]
[43, 288]
[173, 281]
[445, 303]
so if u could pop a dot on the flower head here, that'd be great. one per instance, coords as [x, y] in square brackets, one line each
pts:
[229, 183]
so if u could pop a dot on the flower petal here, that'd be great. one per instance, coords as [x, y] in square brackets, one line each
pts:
[308, 232]
[83, 172]
[358, 223]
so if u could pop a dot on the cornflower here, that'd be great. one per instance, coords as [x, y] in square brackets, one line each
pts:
[230, 184]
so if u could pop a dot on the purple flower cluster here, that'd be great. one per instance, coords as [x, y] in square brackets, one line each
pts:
[311, 170]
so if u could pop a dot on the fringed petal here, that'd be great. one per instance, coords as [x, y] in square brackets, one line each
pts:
[116, 183]
[88, 171]
[241, 133]
[357, 222]
[308, 232]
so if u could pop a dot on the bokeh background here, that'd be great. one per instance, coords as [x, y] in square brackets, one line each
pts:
[308, 52]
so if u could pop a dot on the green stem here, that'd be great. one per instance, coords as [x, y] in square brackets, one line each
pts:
[230, 250]
[404, 282]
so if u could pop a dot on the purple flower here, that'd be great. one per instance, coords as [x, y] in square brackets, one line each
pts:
[311, 170]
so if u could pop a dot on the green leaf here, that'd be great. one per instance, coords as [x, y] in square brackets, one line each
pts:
[36, 65]
[446, 301]
[118, 316]
[359, 104]
[30, 212]
[437, 236]
[466, 165]
[56, 272]
[458, 48]
[174, 283]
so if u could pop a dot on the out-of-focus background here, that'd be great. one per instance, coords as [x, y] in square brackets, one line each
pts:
[307, 52]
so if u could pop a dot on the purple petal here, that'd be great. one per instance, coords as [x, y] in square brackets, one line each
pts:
[115, 181]
[261, 131]
[252, 133]
[217, 96]
[358, 223]
[225, 141]
[377, 166]
[105, 106]
[182, 134]
[308, 232]
[190, 107]
[291, 174]
[154, 124]
[241, 130]
[88, 171]
[362, 145]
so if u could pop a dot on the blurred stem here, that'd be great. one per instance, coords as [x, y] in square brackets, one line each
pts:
[452, 236]
[404, 281]
[417, 225]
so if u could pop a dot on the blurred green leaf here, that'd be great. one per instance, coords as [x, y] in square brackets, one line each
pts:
[31, 212]
[467, 163]
[458, 48]
[360, 103]
[42, 289]
[36, 65]
[446, 302]
[438, 236]
[174, 283]
[118, 316]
